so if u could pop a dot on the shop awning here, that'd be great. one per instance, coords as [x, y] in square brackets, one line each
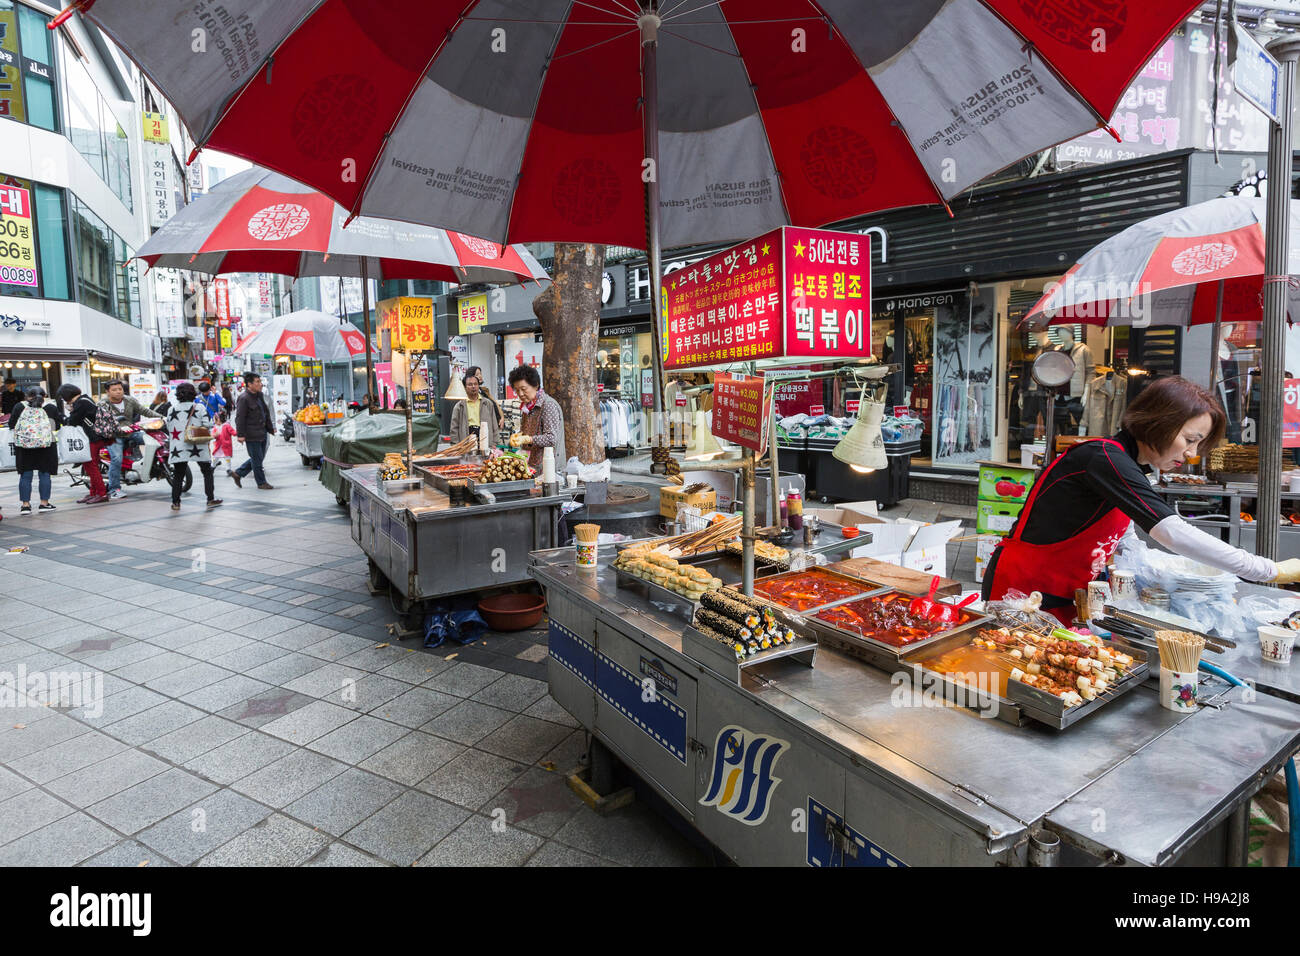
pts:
[107, 358]
[10, 354]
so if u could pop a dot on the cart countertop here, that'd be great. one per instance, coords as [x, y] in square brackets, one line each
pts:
[1162, 778]
[429, 504]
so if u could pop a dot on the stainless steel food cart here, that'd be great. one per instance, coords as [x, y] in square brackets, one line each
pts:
[844, 764]
[426, 548]
[306, 440]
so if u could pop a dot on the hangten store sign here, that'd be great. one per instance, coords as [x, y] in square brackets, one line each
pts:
[791, 292]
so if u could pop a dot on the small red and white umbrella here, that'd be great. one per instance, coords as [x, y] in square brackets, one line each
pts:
[306, 333]
[1190, 266]
[260, 221]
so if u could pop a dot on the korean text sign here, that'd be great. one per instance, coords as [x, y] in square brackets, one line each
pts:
[17, 241]
[739, 413]
[414, 324]
[1291, 413]
[472, 312]
[790, 292]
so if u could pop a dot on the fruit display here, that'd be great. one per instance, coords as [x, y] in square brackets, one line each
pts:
[747, 628]
[684, 579]
[504, 468]
[392, 468]
[311, 415]
[887, 618]
[801, 590]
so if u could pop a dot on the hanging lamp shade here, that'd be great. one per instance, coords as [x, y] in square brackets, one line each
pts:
[456, 390]
[863, 448]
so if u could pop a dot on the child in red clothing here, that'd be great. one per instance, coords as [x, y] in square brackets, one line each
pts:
[223, 437]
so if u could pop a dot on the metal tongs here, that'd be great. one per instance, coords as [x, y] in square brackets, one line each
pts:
[1144, 628]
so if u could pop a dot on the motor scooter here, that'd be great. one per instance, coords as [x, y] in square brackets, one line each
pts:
[140, 463]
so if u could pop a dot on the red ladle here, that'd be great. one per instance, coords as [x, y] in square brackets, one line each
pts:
[949, 613]
[924, 606]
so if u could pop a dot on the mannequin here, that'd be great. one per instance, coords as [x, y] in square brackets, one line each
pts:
[1084, 366]
[1033, 397]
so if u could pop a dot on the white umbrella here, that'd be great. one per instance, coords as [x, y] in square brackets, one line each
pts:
[305, 333]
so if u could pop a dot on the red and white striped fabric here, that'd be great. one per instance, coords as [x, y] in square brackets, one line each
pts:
[521, 120]
[1167, 270]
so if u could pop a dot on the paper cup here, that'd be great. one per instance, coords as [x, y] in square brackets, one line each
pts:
[571, 481]
[1177, 690]
[1275, 643]
[586, 554]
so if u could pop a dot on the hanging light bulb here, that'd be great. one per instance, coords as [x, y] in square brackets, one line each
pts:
[863, 448]
[456, 390]
[45, 365]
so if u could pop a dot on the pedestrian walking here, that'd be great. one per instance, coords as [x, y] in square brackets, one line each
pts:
[253, 427]
[80, 413]
[223, 442]
[34, 421]
[161, 405]
[188, 434]
[211, 400]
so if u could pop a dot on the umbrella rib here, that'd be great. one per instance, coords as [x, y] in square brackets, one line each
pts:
[618, 3]
[706, 46]
[592, 46]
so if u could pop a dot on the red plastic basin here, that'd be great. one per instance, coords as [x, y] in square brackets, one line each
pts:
[512, 612]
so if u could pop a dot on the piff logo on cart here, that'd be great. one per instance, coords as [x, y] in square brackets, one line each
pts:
[743, 778]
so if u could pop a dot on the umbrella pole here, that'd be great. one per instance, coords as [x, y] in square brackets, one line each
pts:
[1214, 337]
[365, 315]
[410, 444]
[1276, 267]
[649, 24]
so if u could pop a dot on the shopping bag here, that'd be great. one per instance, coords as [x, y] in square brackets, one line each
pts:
[7, 459]
[74, 446]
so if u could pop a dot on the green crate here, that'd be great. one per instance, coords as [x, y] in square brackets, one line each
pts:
[990, 475]
[997, 517]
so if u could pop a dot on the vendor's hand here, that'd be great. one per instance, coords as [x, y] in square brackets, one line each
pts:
[1288, 571]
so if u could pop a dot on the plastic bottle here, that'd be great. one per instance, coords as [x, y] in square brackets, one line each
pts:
[785, 511]
[794, 508]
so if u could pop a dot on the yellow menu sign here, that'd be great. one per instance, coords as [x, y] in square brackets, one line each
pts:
[472, 313]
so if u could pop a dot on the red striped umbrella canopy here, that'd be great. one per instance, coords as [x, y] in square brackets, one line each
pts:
[260, 221]
[1170, 270]
[305, 333]
[534, 120]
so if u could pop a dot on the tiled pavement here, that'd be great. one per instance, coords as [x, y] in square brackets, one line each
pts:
[255, 709]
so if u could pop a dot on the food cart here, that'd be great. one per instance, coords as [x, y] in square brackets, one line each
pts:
[425, 546]
[307, 442]
[830, 759]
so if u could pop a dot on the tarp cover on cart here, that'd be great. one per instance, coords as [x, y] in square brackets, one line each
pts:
[366, 439]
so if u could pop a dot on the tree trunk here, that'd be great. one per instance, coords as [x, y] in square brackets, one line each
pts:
[569, 312]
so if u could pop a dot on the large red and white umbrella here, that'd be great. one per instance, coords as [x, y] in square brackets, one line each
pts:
[306, 333]
[1191, 266]
[260, 221]
[547, 120]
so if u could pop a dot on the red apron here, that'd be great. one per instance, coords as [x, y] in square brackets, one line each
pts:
[1057, 569]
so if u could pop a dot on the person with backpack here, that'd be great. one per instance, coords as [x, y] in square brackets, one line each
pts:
[189, 431]
[35, 448]
[84, 413]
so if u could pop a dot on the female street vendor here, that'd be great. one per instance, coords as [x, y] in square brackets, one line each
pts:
[542, 425]
[1083, 502]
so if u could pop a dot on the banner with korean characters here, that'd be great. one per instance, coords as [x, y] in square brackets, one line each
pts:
[17, 240]
[791, 292]
[472, 313]
[1291, 413]
[740, 414]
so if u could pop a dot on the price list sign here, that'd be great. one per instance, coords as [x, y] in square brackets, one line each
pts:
[739, 413]
[791, 292]
[17, 241]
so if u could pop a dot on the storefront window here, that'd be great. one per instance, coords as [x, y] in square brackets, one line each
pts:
[94, 130]
[26, 69]
[95, 266]
[52, 242]
[1238, 385]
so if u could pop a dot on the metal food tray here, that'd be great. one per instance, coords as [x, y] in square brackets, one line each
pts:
[394, 486]
[503, 490]
[879, 652]
[722, 660]
[440, 482]
[869, 590]
[670, 602]
[1022, 701]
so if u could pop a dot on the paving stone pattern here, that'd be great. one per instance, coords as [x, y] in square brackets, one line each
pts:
[247, 713]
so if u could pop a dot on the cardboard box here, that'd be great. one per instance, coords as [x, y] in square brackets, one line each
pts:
[985, 545]
[909, 544]
[996, 517]
[848, 514]
[672, 496]
[1005, 482]
[1027, 453]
